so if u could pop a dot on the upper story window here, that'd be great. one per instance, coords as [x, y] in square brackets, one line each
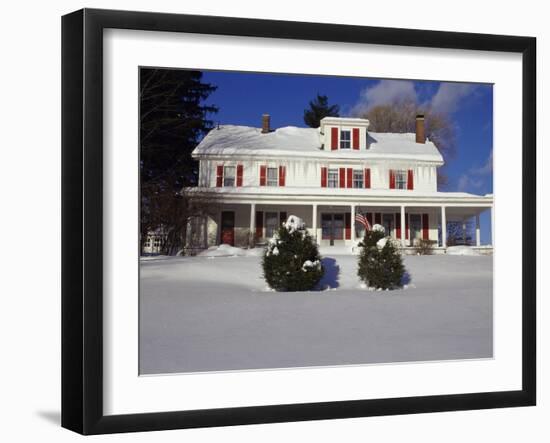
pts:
[345, 139]
[400, 179]
[229, 175]
[272, 176]
[333, 178]
[357, 178]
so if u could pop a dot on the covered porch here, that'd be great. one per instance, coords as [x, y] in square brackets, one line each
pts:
[336, 224]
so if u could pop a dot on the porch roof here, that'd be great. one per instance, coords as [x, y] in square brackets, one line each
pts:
[317, 195]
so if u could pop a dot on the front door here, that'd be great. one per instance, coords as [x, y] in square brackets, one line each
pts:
[332, 227]
[228, 228]
[416, 228]
[387, 222]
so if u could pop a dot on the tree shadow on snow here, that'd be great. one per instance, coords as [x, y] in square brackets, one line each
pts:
[406, 279]
[332, 274]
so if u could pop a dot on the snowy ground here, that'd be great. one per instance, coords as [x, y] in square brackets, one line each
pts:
[214, 313]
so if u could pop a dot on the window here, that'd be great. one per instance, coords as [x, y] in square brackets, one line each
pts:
[272, 178]
[229, 175]
[400, 179]
[345, 139]
[333, 178]
[357, 178]
[271, 223]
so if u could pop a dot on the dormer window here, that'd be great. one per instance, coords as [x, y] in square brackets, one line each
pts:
[345, 139]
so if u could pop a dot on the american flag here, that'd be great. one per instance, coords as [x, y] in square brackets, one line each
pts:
[360, 218]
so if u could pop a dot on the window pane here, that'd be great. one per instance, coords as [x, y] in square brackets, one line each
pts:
[272, 177]
[357, 179]
[401, 179]
[229, 176]
[345, 139]
[333, 178]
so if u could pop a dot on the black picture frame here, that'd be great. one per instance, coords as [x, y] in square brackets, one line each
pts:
[82, 218]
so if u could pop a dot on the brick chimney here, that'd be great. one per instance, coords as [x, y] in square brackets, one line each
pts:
[266, 119]
[420, 133]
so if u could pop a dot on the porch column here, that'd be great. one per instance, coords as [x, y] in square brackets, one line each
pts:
[314, 221]
[403, 235]
[352, 224]
[252, 223]
[443, 227]
[478, 236]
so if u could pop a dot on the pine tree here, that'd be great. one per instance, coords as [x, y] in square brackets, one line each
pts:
[380, 266]
[173, 118]
[318, 109]
[291, 261]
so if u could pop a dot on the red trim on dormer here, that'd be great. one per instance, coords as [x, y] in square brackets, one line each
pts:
[355, 139]
[334, 139]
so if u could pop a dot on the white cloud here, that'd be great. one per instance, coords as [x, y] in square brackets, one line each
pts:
[475, 177]
[385, 91]
[487, 167]
[466, 183]
[449, 95]
[447, 98]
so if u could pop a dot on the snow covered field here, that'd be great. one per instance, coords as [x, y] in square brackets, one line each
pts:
[214, 313]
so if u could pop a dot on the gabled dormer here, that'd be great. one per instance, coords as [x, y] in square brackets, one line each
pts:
[344, 134]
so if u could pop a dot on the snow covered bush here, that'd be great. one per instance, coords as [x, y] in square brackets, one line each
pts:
[424, 247]
[291, 260]
[380, 262]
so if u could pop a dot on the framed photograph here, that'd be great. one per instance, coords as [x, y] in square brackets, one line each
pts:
[269, 221]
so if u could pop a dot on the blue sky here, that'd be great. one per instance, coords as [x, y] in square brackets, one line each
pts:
[243, 97]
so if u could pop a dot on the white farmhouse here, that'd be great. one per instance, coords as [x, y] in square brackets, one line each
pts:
[256, 177]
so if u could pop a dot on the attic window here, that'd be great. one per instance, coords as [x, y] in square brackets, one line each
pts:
[229, 176]
[345, 139]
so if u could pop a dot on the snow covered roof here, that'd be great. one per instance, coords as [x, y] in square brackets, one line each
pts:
[291, 141]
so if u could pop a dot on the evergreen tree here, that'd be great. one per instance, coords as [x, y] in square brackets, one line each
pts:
[380, 263]
[291, 261]
[173, 118]
[318, 109]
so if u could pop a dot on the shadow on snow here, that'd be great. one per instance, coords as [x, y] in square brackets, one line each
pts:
[331, 276]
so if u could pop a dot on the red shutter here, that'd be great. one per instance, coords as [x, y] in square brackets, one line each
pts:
[367, 178]
[282, 175]
[355, 138]
[406, 226]
[334, 139]
[239, 175]
[350, 178]
[425, 227]
[324, 174]
[410, 180]
[378, 218]
[398, 225]
[219, 176]
[263, 172]
[259, 224]
[348, 225]
[392, 179]
[342, 177]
